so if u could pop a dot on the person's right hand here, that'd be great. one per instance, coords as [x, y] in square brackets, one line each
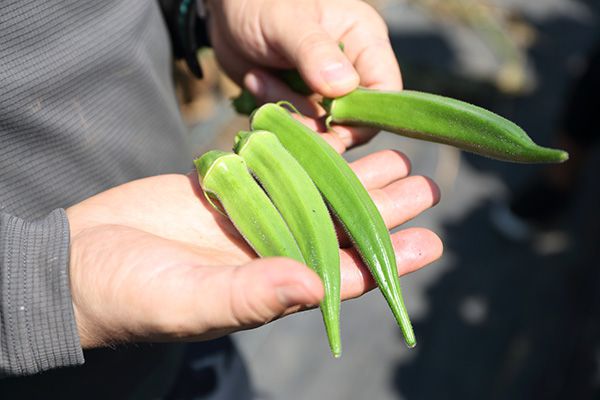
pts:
[253, 38]
[152, 261]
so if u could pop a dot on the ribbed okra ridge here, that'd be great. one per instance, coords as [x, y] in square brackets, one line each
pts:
[347, 197]
[225, 176]
[303, 209]
[439, 119]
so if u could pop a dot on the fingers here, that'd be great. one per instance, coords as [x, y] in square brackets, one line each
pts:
[400, 202]
[225, 53]
[367, 58]
[403, 200]
[268, 88]
[266, 289]
[398, 198]
[374, 59]
[260, 291]
[414, 247]
[316, 54]
[379, 169]
[368, 47]
[352, 136]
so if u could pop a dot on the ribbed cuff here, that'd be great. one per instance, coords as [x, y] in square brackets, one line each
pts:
[37, 323]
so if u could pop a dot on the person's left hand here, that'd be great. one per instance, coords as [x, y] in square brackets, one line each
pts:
[251, 36]
[151, 260]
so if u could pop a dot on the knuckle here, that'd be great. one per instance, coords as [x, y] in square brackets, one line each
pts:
[311, 43]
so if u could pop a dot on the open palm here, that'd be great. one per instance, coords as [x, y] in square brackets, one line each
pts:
[151, 260]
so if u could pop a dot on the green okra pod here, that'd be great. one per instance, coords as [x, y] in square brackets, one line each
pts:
[224, 176]
[348, 199]
[443, 120]
[303, 209]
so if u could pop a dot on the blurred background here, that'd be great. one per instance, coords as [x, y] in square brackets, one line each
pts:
[512, 310]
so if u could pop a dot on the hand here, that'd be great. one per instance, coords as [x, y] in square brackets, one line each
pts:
[152, 261]
[251, 35]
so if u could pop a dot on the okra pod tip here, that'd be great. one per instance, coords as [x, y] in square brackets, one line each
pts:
[443, 120]
[348, 199]
[300, 204]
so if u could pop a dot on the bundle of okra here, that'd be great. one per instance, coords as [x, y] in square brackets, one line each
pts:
[277, 185]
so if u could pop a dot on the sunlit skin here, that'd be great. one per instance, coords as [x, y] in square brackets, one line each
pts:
[251, 37]
[152, 261]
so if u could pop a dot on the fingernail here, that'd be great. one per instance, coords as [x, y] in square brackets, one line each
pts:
[292, 295]
[339, 75]
[255, 85]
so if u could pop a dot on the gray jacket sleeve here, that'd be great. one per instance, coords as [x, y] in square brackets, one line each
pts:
[37, 324]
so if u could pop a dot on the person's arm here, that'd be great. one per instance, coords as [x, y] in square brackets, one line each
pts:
[37, 327]
[151, 260]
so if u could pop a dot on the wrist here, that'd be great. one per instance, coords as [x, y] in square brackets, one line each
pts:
[36, 298]
[81, 228]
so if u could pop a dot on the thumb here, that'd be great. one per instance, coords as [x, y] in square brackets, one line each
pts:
[265, 289]
[317, 56]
